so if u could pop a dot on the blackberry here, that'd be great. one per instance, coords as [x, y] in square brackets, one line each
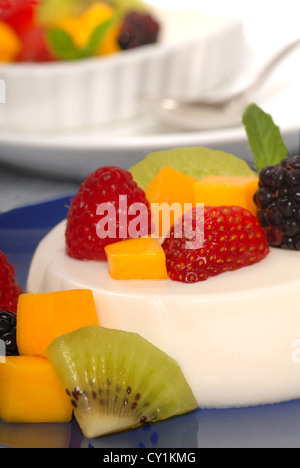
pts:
[278, 203]
[138, 29]
[292, 162]
[8, 321]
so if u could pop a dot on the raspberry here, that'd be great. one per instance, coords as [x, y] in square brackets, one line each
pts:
[105, 185]
[19, 14]
[9, 289]
[35, 47]
[278, 203]
[233, 239]
[138, 29]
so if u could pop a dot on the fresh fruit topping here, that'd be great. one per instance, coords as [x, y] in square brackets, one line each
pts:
[278, 203]
[141, 258]
[9, 289]
[35, 47]
[10, 44]
[52, 11]
[278, 196]
[44, 316]
[108, 190]
[71, 30]
[226, 190]
[93, 33]
[117, 380]
[196, 162]
[19, 14]
[138, 29]
[232, 238]
[30, 392]
[8, 324]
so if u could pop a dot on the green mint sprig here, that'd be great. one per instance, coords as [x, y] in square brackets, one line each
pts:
[65, 48]
[63, 45]
[264, 137]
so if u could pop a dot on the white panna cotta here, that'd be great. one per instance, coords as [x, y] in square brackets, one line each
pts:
[236, 336]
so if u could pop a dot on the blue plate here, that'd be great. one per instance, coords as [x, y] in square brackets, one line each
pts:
[273, 426]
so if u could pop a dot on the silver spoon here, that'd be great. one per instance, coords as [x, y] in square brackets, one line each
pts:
[213, 112]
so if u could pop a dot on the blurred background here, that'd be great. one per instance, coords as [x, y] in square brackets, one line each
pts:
[39, 161]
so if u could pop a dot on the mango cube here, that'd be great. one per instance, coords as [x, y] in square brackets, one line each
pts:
[217, 190]
[43, 317]
[174, 189]
[10, 43]
[140, 259]
[170, 186]
[30, 392]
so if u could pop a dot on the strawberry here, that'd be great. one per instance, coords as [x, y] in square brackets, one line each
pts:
[86, 237]
[19, 14]
[232, 239]
[35, 47]
[9, 289]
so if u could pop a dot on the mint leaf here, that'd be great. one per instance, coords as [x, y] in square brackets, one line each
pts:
[98, 36]
[63, 45]
[264, 137]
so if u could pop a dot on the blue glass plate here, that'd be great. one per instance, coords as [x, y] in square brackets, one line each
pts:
[273, 426]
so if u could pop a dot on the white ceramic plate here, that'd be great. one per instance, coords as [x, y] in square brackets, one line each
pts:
[270, 426]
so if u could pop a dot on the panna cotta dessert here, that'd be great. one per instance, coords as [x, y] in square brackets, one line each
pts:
[234, 335]
[223, 304]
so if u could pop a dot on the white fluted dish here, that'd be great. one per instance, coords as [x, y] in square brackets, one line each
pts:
[195, 53]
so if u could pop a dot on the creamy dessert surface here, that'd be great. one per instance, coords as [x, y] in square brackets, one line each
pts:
[234, 335]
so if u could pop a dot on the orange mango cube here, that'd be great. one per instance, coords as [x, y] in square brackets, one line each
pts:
[218, 190]
[10, 44]
[82, 27]
[140, 259]
[43, 317]
[30, 392]
[171, 186]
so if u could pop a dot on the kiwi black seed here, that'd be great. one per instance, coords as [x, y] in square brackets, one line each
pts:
[117, 380]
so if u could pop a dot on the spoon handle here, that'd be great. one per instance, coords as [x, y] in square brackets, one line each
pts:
[274, 62]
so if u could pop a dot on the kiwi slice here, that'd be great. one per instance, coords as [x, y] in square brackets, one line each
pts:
[196, 162]
[128, 5]
[118, 380]
[51, 11]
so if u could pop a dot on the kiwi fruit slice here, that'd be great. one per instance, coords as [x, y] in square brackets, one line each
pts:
[51, 11]
[128, 5]
[196, 162]
[118, 380]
